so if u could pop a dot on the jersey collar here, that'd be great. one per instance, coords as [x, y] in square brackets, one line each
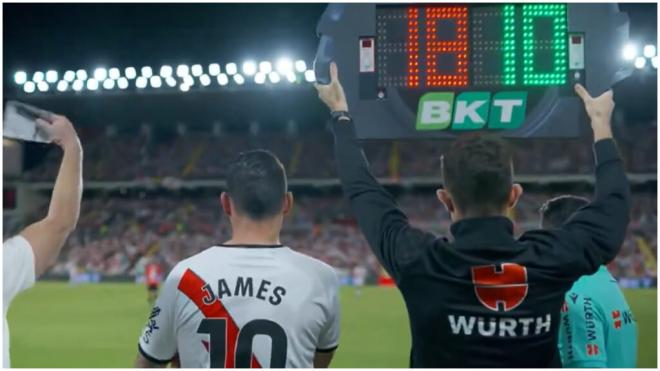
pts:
[494, 229]
[251, 246]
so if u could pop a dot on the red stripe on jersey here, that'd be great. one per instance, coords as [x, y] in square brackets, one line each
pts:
[193, 287]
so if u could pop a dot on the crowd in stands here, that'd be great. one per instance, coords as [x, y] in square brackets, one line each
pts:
[188, 154]
[115, 234]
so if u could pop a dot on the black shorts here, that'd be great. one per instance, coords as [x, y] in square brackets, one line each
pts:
[152, 287]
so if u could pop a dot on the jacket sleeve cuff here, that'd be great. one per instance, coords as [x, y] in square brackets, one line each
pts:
[344, 129]
[605, 150]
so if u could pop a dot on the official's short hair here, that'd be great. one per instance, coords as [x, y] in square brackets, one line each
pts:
[556, 211]
[478, 173]
[256, 183]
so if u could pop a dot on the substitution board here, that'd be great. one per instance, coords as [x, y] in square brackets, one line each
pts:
[434, 70]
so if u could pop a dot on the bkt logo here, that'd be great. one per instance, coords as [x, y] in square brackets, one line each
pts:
[500, 288]
[471, 111]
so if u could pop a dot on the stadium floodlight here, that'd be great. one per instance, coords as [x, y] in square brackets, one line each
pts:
[654, 62]
[130, 73]
[249, 68]
[223, 79]
[20, 77]
[38, 77]
[92, 84]
[62, 85]
[284, 66]
[170, 81]
[197, 70]
[274, 77]
[231, 68]
[114, 73]
[108, 84]
[141, 82]
[239, 79]
[69, 76]
[51, 76]
[147, 71]
[81, 75]
[42, 86]
[214, 69]
[166, 71]
[629, 52]
[310, 76]
[155, 82]
[260, 78]
[122, 83]
[265, 67]
[205, 80]
[100, 74]
[182, 70]
[184, 87]
[640, 62]
[291, 77]
[301, 66]
[649, 51]
[29, 87]
[188, 80]
[78, 85]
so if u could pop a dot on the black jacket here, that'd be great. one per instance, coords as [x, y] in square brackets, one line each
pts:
[487, 299]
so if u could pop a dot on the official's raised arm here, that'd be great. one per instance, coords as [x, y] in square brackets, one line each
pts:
[384, 225]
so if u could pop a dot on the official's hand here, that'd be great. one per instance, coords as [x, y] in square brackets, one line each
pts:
[61, 131]
[599, 110]
[333, 94]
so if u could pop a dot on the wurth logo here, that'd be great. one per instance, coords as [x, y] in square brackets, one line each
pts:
[499, 327]
[500, 287]
[592, 350]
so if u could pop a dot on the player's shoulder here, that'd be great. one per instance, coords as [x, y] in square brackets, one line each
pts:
[312, 266]
[192, 262]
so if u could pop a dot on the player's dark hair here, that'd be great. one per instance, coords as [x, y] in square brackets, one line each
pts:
[478, 173]
[556, 211]
[256, 183]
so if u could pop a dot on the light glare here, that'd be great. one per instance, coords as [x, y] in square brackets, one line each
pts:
[100, 74]
[205, 80]
[29, 87]
[301, 66]
[130, 73]
[20, 77]
[122, 83]
[249, 68]
[231, 68]
[197, 70]
[114, 73]
[649, 51]
[214, 69]
[51, 76]
[630, 52]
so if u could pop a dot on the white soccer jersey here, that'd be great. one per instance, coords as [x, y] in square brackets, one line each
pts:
[244, 306]
[18, 275]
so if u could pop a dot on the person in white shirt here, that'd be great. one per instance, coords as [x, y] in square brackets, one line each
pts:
[249, 302]
[35, 249]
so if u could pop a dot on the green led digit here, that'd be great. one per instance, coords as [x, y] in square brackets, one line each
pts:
[558, 44]
[509, 45]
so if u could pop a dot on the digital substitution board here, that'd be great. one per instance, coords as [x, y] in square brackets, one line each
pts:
[438, 69]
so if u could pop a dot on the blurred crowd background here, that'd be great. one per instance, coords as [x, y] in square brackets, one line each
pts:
[120, 229]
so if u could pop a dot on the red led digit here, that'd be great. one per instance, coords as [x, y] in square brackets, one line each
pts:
[412, 48]
[435, 47]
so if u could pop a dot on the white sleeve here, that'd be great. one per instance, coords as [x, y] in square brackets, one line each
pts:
[158, 340]
[17, 268]
[329, 339]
